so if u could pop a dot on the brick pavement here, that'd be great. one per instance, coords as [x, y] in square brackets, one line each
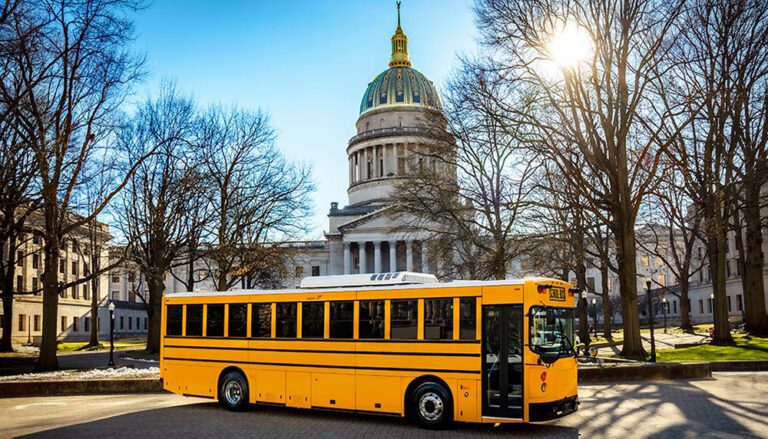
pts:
[731, 405]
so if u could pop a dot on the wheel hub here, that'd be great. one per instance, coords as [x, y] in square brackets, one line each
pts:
[233, 392]
[431, 406]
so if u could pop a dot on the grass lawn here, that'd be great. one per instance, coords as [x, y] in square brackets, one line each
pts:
[119, 344]
[746, 348]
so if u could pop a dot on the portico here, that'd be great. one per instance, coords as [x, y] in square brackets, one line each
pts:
[382, 255]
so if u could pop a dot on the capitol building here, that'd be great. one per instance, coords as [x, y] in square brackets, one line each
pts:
[365, 236]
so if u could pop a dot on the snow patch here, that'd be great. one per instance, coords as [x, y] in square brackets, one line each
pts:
[91, 374]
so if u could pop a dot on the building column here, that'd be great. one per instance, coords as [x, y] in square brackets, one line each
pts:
[347, 258]
[408, 255]
[424, 262]
[392, 255]
[361, 253]
[377, 257]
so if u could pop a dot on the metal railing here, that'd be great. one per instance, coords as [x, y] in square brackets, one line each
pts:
[384, 132]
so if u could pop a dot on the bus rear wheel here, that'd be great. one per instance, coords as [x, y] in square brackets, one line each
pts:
[233, 391]
[431, 406]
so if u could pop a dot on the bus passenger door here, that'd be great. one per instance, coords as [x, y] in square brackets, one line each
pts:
[503, 361]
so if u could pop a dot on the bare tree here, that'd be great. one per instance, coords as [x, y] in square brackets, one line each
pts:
[602, 107]
[255, 193]
[152, 211]
[471, 185]
[75, 70]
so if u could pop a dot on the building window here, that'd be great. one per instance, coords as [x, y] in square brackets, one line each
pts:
[739, 305]
[75, 294]
[145, 323]
[36, 321]
[62, 266]
[286, 320]
[662, 279]
[214, 326]
[728, 268]
[238, 320]
[131, 276]
[299, 271]
[34, 284]
[122, 322]
[86, 295]
[468, 318]
[87, 324]
[194, 320]
[674, 307]
[729, 303]
[74, 268]
[74, 323]
[20, 258]
[261, 320]
[115, 295]
[173, 319]
[342, 319]
[138, 321]
[315, 270]
[709, 306]
[63, 323]
[62, 291]
[645, 260]
[371, 319]
[35, 261]
[115, 277]
[22, 322]
[130, 323]
[19, 283]
[35, 239]
[132, 296]
[701, 306]
[312, 319]
[438, 319]
[404, 319]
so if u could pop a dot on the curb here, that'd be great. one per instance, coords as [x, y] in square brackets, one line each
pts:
[52, 388]
[739, 366]
[646, 371]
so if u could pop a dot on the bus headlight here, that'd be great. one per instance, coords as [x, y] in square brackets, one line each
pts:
[543, 386]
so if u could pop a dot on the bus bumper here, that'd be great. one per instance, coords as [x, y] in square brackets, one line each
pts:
[546, 411]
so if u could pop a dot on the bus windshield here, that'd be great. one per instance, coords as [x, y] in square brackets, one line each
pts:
[551, 332]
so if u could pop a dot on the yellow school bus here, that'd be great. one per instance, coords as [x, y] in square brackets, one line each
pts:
[390, 343]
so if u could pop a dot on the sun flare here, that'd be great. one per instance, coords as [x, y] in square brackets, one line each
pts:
[569, 46]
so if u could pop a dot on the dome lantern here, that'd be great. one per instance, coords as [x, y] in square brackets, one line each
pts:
[400, 56]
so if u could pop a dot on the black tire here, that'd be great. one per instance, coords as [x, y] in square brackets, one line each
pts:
[233, 391]
[432, 406]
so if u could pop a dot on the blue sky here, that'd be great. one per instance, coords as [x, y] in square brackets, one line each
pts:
[306, 62]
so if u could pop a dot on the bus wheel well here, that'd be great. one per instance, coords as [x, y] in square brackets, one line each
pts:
[415, 383]
[227, 370]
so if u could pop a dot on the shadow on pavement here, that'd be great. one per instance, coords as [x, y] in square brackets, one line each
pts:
[210, 420]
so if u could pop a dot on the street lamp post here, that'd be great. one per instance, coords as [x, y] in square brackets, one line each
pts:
[29, 331]
[111, 334]
[594, 314]
[664, 311]
[652, 359]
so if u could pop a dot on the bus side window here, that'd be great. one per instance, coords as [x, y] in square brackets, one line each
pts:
[194, 320]
[238, 315]
[438, 319]
[214, 327]
[342, 319]
[261, 320]
[312, 319]
[468, 318]
[404, 319]
[371, 319]
[286, 320]
[173, 319]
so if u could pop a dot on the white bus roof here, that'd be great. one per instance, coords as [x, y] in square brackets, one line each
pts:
[348, 283]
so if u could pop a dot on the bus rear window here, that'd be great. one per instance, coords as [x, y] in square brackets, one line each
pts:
[173, 319]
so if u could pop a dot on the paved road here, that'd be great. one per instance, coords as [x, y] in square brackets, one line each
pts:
[731, 405]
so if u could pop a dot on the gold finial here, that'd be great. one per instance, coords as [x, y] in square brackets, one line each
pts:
[399, 46]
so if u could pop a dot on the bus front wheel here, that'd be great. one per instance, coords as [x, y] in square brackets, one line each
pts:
[432, 406]
[233, 391]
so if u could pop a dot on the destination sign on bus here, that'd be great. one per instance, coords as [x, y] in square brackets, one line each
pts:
[557, 294]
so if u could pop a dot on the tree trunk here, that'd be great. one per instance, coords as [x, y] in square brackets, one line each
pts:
[624, 232]
[49, 345]
[607, 308]
[685, 312]
[154, 311]
[757, 320]
[6, 345]
[582, 311]
[190, 274]
[717, 235]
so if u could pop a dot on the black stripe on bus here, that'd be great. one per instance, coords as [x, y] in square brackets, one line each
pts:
[324, 340]
[316, 351]
[324, 366]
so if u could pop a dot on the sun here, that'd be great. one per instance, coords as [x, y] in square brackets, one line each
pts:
[569, 46]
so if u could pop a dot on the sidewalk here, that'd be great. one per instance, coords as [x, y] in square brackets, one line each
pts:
[663, 341]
